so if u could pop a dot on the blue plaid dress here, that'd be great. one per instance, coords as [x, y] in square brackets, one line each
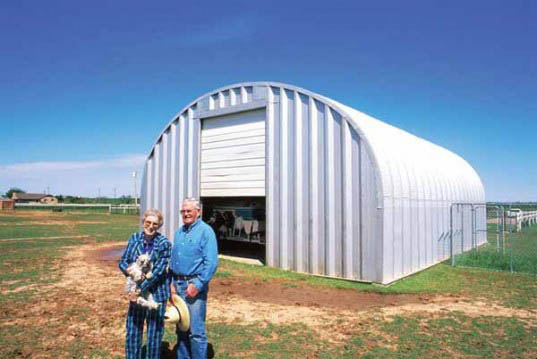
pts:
[158, 285]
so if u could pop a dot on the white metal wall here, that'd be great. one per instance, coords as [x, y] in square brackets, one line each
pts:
[347, 195]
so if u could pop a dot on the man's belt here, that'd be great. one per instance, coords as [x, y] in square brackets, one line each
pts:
[183, 277]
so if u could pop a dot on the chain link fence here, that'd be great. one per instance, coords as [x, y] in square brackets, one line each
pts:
[511, 243]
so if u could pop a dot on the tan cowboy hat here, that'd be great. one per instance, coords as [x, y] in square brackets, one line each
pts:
[177, 313]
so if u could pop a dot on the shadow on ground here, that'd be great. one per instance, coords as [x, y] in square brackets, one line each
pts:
[167, 353]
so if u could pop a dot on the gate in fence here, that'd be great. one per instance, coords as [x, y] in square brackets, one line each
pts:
[467, 227]
[510, 243]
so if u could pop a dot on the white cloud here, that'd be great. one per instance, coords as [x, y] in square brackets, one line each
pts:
[82, 178]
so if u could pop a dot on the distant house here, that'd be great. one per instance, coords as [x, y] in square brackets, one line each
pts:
[34, 198]
[6, 204]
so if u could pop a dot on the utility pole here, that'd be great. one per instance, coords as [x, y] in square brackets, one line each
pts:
[135, 194]
[99, 192]
[115, 192]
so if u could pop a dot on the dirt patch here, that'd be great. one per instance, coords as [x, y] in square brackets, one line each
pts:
[31, 214]
[475, 308]
[107, 255]
[40, 238]
[290, 293]
[283, 293]
[236, 300]
[22, 288]
[326, 322]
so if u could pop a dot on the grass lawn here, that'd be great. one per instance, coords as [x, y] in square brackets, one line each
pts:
[44, 315]
[519, 252]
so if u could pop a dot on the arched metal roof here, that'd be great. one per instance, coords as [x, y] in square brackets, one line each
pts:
[408, 166]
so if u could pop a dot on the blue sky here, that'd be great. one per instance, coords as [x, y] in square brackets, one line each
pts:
[87, 87]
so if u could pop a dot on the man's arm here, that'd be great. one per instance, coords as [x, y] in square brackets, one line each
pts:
[210, 259]
[159, 268]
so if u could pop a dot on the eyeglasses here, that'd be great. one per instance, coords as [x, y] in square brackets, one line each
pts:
[151, 224]
[187, 211]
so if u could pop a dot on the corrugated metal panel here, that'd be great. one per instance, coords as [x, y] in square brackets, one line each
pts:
[286, 172]
[351, 250]
[166, 178]
[182, 179]
[346, 195]
[273, 193]
[173, 218]
[371, 214]
[317, 193]
[301, 184]
[196, 148]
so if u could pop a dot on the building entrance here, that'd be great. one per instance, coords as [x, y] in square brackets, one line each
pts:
[239, 224]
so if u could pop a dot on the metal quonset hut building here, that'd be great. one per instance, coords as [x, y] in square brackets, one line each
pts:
[340, 193]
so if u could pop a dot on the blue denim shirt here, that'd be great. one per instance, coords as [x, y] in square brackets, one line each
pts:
[160, 256]
[195, 253]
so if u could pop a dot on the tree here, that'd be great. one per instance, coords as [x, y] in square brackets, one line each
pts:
[125, 199]
[12, 190]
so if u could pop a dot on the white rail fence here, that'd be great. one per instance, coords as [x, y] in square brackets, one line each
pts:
[121, 208]
[522, 218]
[125, 208]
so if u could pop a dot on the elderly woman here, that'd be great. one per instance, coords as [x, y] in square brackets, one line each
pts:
[151, 242]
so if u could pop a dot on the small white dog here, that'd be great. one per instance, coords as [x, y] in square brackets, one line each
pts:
[136, 271]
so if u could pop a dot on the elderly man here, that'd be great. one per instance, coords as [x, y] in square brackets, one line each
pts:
[193, 263]
[157, 246]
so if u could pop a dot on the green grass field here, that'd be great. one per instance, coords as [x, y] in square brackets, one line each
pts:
[518, 254]
[35, 325]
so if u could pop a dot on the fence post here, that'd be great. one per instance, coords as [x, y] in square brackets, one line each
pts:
[497, 229]
[462, 227]
[451, 235]
[473, 236]
[510, 240]
[502, 232]
[511, 248]
[499, 226]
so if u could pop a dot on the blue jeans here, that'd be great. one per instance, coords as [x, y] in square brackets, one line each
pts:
[192, 344]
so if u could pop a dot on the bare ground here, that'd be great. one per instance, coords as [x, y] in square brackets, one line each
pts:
[89, 302]
[233, 300]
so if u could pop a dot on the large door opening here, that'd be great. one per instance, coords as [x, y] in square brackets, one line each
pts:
[232, 181]
[239, 225]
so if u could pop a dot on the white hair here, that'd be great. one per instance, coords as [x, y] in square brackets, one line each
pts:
[154, 212]
[194, 201]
